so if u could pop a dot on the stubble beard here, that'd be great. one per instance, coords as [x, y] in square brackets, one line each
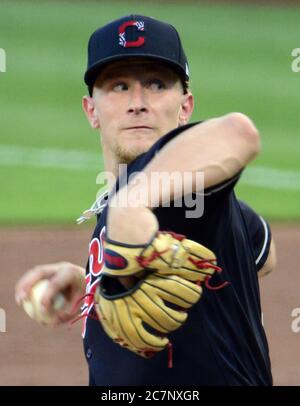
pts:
[126, 156]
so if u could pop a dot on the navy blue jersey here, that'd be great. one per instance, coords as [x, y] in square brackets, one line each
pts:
[223, 341]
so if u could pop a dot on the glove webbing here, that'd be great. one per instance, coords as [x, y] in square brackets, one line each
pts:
[199, 263]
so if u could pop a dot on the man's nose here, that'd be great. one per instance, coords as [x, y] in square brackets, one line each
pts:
[137, 99]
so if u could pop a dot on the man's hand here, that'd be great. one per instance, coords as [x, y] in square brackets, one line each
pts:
[64, 277]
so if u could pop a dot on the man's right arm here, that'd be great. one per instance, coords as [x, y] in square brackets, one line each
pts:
[63, 277]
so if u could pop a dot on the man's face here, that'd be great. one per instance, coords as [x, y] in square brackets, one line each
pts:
[135, 102]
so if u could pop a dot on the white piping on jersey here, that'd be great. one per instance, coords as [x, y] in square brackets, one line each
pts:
[265, 241]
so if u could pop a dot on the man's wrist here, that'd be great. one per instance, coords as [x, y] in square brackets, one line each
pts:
[131, 225]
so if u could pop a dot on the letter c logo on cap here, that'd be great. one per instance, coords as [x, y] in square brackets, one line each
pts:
[122, 34]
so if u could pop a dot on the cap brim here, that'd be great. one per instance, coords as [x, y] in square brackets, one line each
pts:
[94, 70]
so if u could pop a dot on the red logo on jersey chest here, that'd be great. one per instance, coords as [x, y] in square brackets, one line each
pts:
[96, 261]
[96, 264]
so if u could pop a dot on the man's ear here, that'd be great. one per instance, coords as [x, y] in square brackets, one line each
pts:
[187, 107]
[88, 105]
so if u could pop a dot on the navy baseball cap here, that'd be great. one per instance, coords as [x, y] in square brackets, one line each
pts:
[132, 36]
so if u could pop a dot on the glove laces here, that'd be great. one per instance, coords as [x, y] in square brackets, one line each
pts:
[203, 264]
[144, 262]
[84, 315]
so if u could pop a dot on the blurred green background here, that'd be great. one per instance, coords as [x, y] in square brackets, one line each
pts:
[240, 60]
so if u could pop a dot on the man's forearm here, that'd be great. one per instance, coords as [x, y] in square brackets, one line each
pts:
[219, 148]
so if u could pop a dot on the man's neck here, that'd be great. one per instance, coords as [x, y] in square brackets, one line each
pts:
[112, 168]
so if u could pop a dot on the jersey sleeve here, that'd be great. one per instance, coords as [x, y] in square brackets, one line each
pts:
[222, 188]
[259, 232]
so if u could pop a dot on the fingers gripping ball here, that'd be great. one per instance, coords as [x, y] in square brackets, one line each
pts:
[34, 308]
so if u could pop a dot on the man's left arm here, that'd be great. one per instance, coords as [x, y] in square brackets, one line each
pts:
[270, 263]
[219, 148]
[261, 240]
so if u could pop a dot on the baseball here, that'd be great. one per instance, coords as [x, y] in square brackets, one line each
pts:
[33, 308]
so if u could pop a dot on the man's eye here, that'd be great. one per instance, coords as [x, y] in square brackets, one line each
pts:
[120, 87]
[156, 84]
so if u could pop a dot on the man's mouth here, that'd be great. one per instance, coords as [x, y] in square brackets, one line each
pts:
[139, 127]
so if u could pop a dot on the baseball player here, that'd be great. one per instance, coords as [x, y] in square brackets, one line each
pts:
[170, 298]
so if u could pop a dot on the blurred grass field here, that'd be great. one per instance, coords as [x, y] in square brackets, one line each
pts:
[240, 60]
